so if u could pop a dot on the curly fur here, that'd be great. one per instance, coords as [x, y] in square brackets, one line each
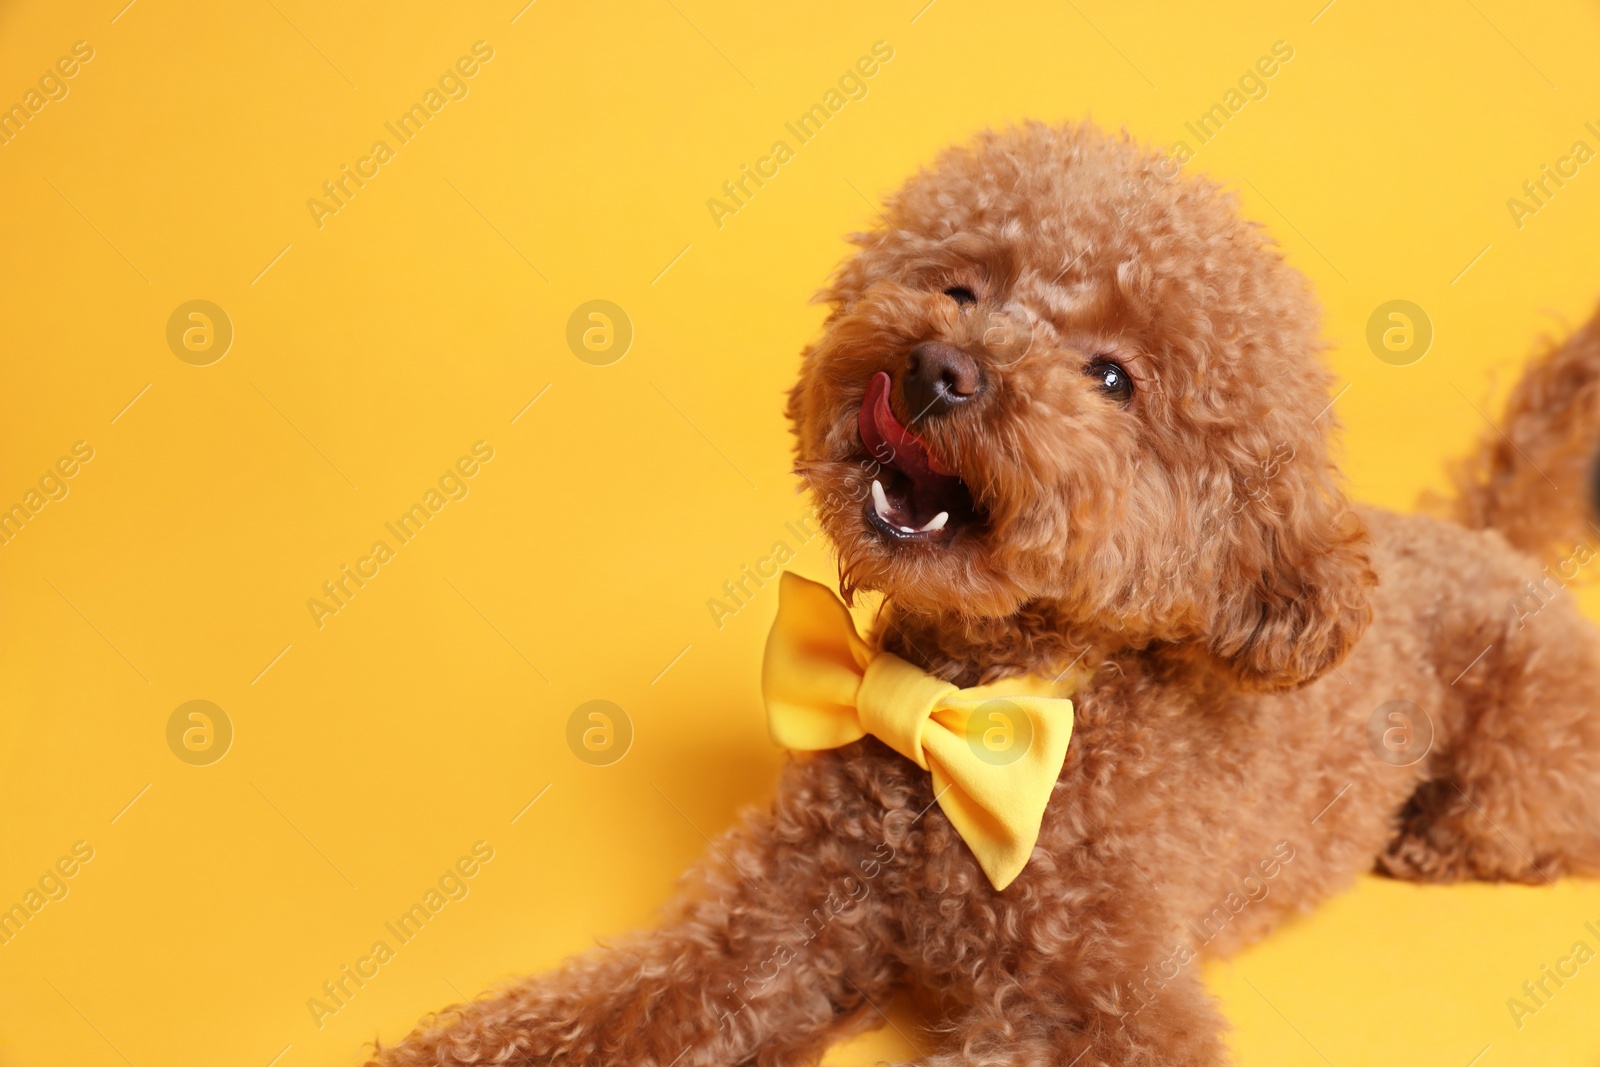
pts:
[1243, 618]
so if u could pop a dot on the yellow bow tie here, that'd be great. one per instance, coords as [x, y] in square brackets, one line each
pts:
[994, 751]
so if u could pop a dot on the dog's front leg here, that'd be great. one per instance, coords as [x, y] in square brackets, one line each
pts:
[773, 952]
[1046, 1021]
[1090, 972]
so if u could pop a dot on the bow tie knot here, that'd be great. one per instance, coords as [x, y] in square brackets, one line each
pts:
[994, 752]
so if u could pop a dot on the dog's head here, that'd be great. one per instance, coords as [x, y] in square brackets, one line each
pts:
[1060, 376]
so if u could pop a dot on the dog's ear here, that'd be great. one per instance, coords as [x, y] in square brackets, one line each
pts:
[1294, 596]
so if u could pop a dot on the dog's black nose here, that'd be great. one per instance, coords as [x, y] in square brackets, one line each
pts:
[937, 378]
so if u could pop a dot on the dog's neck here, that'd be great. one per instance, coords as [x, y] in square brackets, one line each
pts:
[1036, 640]
[1040, 640]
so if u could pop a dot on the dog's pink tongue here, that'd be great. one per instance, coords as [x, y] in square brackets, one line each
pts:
[891, 443]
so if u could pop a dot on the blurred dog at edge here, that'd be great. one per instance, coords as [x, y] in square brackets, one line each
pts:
[1109, 386]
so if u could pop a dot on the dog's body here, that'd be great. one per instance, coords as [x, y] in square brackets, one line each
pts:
[1248, 632]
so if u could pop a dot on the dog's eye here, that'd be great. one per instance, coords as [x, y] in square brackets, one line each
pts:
[961, 295]
[1112, 379]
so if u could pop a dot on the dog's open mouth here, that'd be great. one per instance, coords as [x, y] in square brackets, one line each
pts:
[914, 497]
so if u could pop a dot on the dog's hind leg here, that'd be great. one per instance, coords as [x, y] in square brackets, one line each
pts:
[1514, 786]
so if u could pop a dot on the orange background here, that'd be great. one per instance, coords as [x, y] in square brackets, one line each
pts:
[371, 352]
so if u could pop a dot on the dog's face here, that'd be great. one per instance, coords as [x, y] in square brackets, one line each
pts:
[1060, 374]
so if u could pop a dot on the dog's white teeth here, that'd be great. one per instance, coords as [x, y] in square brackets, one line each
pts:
[936, 523]
[879, 501]
[907, 529]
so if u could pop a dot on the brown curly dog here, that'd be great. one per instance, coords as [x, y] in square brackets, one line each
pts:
[1287, 689]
